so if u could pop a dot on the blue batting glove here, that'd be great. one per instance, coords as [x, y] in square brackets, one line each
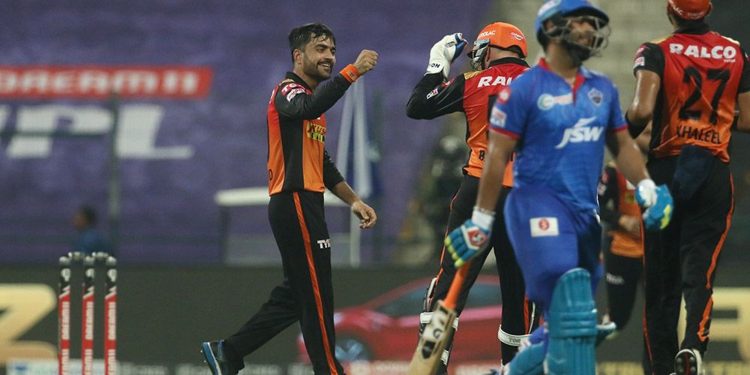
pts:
[658, 204]
[466, 241]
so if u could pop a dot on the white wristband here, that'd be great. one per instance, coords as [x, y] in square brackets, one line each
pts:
[483, 218]
[647, 191]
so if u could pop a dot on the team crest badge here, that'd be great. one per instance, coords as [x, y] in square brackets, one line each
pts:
[596, 96]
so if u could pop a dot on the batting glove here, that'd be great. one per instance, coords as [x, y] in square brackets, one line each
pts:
[444, 52]
[658, 204]
[466, 241]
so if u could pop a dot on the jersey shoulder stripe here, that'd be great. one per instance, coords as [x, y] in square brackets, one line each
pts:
[734, 41]
[659, 40]
[468, 75]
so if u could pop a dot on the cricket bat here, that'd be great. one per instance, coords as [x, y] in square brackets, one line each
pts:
[437, 333]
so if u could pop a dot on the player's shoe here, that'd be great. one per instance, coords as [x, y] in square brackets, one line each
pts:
[213, 353]
[605, 330]
[688, 362]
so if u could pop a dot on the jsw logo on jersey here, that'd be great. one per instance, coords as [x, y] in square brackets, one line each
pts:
[581, 132]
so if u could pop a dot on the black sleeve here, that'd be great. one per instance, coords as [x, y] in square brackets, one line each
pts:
[649, 57]
[608, 192]
[432, 97]
[292, 100]
[745, 79]
[331, 174]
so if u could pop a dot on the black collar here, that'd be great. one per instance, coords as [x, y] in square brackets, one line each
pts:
[298, 79]
[698, 29]
[509, 60]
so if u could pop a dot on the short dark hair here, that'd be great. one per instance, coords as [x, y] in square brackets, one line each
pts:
[89, 213]
[683, 23]
[300, 36]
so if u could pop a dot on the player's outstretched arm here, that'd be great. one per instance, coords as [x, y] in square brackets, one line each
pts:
[466, 241]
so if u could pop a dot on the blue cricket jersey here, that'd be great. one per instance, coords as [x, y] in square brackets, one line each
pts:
[560, 130]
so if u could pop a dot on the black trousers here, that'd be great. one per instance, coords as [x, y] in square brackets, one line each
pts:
[623, 276]
[682, 259]
[517, 310]
[306, 293]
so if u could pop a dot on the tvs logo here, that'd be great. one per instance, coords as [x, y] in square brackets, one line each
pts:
[324, 244]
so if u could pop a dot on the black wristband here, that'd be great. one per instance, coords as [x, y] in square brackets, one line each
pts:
[632, 128]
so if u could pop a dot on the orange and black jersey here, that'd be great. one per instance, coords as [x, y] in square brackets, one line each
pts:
[472, 93]
[297, 158]
[701, 72]
[613, 187]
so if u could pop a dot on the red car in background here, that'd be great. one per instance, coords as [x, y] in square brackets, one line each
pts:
[386, 327]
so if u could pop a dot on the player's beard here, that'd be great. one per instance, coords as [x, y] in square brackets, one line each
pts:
[317, 69]
[578, 45]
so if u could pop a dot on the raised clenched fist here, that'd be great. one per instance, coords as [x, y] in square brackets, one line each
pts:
[366, 61]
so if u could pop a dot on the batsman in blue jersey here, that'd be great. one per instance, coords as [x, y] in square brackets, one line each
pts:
[557, 117]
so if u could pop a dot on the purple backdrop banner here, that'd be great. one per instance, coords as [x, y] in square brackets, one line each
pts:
[183, 137]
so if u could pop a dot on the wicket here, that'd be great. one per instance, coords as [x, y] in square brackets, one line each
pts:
[67, 265]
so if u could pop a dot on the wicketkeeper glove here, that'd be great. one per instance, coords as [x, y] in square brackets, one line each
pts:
[466, 241]
[658, 204]
[444, 52]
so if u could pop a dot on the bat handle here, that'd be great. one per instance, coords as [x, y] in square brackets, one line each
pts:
[456, 286]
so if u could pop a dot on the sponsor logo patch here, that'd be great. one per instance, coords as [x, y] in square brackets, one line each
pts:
[294, 93]
[504, 95]
[639, 61]
[581, 132]
[544, 227]
[498, 117]
[432, 93]
[726, 53]
[547, 101]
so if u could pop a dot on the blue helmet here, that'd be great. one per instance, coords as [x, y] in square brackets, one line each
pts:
[559, 12]
[566, 8]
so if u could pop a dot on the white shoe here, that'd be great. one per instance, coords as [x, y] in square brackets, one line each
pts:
[688, 362]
